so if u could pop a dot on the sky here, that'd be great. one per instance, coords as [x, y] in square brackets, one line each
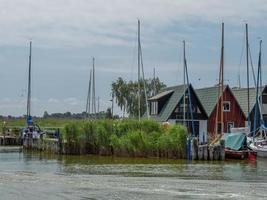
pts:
[66, 34]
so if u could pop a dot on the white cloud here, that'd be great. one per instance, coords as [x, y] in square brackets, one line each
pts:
[83, 22]
[53, 100]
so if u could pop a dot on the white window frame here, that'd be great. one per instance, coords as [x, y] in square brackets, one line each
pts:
[229, 106]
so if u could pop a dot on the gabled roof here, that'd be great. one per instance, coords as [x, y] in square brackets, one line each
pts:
[241, 96]
[178, 93]
[171, 103]
[208, 97]
[160, 95]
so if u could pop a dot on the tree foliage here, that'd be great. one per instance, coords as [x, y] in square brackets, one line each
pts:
[126, 94]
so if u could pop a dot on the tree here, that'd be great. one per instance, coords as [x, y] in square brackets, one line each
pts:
[109, 113]
[46, 115]
[126, 94]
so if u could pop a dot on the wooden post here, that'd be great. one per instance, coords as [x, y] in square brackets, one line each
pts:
[200, 152]
[222, 147]
[211, 151]
[205, 152]
[194, 148]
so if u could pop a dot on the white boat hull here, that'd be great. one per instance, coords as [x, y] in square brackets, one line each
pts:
[258, 146]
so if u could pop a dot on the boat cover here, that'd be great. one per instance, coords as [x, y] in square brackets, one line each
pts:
[235, 141]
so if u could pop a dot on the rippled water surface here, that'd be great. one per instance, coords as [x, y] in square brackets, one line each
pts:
[40, 176]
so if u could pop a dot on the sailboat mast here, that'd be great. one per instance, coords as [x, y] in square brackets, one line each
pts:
[154, 82]
[184, 82]
[93, 88]
[257, 106]
[88, 102]
[189, 95]
[139, 64]
[222, 77]
[29, 83]
[247, 59]
[220, 88]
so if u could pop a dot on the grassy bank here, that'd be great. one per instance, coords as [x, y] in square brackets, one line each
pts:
[124, 138]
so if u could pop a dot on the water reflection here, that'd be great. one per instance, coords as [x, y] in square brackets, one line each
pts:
[29, 175]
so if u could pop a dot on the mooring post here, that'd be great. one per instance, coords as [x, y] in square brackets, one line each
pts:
[189, 156]
[222, 147]
[194, 148]
[211, 151]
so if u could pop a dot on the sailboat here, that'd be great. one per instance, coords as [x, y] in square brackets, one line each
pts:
[32, 131]
[258, 141]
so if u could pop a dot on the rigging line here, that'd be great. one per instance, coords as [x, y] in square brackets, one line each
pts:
[134, 55]
[252, 67]
[142, 66]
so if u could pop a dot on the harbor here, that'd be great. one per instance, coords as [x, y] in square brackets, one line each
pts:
[138, 100]
[46, 176]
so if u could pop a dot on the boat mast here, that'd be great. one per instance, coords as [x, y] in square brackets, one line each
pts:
[222, 77]
[247, 59]
[93, 88]
[88, 102]
[29, 84]
[141, 67]
[139, 64]
[184, 83]
[189, 94]
[257, 106]
[220, 88]
[154, 82]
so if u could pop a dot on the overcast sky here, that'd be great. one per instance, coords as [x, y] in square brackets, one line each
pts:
[66, 34]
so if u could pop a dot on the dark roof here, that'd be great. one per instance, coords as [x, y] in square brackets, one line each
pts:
[241, 96]
[160, 95]
[208, 97]
[177, 95]
[178, 92]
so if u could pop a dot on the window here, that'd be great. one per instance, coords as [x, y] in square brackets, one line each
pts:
[154, 108]
[226, 106]
[264, 98]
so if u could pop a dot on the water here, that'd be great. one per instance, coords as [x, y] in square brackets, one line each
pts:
[41, 176]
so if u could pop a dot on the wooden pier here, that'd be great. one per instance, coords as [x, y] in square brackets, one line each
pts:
[207, 152]
[9, 140]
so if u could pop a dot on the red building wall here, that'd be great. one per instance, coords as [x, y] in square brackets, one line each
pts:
[235, 115]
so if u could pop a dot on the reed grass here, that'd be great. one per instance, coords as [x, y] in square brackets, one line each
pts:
[128, 137]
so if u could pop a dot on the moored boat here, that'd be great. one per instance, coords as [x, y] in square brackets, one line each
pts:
[236, 146]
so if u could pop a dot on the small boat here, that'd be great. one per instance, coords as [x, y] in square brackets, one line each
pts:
[233, 154]
[236, 146]
[259, 145]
